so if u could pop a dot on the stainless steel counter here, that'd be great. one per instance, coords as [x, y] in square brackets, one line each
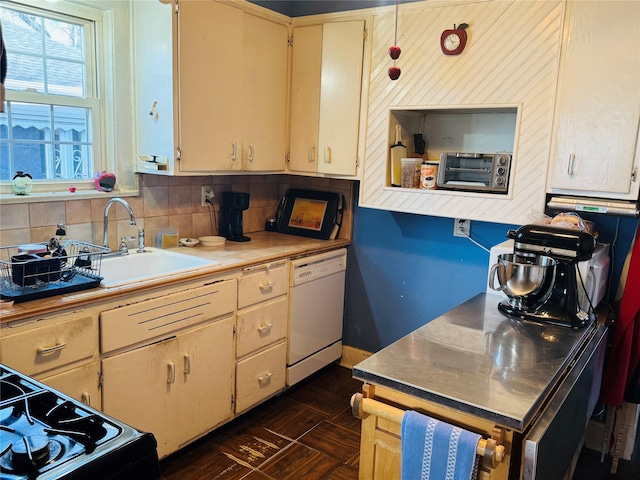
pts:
[476, 360]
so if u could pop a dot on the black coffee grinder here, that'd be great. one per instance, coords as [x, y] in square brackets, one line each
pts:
[231, 208]
[557, 302]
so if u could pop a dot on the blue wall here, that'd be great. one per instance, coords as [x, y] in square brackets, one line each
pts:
[405, 270]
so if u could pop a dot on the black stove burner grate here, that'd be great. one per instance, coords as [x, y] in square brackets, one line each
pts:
[47, 435]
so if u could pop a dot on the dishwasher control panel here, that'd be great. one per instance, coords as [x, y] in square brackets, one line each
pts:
[312, 268]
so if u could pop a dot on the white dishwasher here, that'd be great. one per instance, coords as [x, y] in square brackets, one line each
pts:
[316, 307]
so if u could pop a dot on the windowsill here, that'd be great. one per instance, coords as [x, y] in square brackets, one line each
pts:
[35, 197]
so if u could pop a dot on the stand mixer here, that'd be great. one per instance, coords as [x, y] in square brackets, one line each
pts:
[540, 276]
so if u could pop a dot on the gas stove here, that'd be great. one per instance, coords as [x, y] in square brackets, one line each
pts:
[47, 435]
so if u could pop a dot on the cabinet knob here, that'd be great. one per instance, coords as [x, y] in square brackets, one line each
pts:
[86, 398]
[312, 153]
[265, 328]
[251, 153]
[267, 285]
[265, 378]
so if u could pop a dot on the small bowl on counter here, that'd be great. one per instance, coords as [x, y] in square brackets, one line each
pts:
[188, 242]
[212, 241]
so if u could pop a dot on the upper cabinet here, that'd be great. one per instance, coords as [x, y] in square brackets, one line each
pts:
[326, 85]
[595, 135]
[226, 109]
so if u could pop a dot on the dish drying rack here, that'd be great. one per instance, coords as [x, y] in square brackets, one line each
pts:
[29, 276]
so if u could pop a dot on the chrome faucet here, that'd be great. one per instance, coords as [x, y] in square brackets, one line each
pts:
[132, 221]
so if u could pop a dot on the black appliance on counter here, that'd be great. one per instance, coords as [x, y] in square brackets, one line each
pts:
[231, 208]
[556, 301]
[47, 435]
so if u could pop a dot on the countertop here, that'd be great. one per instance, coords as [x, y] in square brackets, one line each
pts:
[263, 247]
[476, 360]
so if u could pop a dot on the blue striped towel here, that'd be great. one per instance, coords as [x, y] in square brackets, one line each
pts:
[435, 450]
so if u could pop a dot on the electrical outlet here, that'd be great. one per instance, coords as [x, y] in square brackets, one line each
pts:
[461, 227]
[207, 194]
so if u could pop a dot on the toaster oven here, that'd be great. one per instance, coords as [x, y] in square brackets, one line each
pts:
[476, 172]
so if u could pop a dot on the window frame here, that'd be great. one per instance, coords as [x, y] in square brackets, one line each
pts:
[98, 44]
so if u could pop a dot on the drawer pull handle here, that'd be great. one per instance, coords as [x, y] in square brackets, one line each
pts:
[267, 285]
[171, 372]
[572, 161]
[234, 152]
[265, 378]
[49, 350]
[265, 328]
[86, 398]
[187, 364]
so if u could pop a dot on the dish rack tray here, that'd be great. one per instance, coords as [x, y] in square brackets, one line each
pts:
[29, 276]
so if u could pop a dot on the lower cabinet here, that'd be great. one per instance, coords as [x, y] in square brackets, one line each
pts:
[260, 376]
[80, 383]
[178, 388]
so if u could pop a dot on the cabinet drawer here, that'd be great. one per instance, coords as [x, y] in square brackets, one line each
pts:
[260, 376]
[41, 349]
[153, 318]
[261, 325]
[80, 383]
[263, 282]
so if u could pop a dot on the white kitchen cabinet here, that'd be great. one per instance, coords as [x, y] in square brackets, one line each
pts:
[80, 383]
[58, 350]
[168, 362]
[226, 110]
[177, 389]
[326, 84]
[261, 333]
[594, 145]
[55, 342]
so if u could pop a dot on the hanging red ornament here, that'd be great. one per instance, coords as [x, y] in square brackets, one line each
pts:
[394, 51]
[394, 72]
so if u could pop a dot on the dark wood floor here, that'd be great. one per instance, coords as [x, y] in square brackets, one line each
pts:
[308, 433]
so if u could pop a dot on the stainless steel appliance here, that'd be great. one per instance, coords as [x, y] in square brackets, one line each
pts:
[540, 277]
[316, 306]
[231, 208]
[47, 435]
[479, 172]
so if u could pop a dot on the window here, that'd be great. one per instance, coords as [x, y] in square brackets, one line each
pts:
[51, 123]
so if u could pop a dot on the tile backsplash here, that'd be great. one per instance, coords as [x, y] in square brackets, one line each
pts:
[164, 202]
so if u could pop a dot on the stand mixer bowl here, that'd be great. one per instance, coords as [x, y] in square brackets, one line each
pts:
[525, 283]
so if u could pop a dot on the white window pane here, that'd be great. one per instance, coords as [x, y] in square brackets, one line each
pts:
[31, 122]
[23, 30]
[31, 158]
[63, 40]
[65, 78]
[24, 72]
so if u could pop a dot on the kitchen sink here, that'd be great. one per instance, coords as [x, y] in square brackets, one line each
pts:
[154, 263]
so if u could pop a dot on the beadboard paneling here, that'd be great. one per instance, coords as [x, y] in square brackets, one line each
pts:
[511, 58]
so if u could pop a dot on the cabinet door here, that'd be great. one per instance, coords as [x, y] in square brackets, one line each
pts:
[210, 86]
[598, 101]
[139, 388]
[261, 325]
[306, 71]
[265, 94]
[342, 50]
[206, 370]
[80, 383]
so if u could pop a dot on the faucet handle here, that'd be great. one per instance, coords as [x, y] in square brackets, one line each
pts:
[124, 248]
[141, 240]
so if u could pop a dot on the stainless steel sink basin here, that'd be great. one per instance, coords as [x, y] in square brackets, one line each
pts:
[155, 263]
